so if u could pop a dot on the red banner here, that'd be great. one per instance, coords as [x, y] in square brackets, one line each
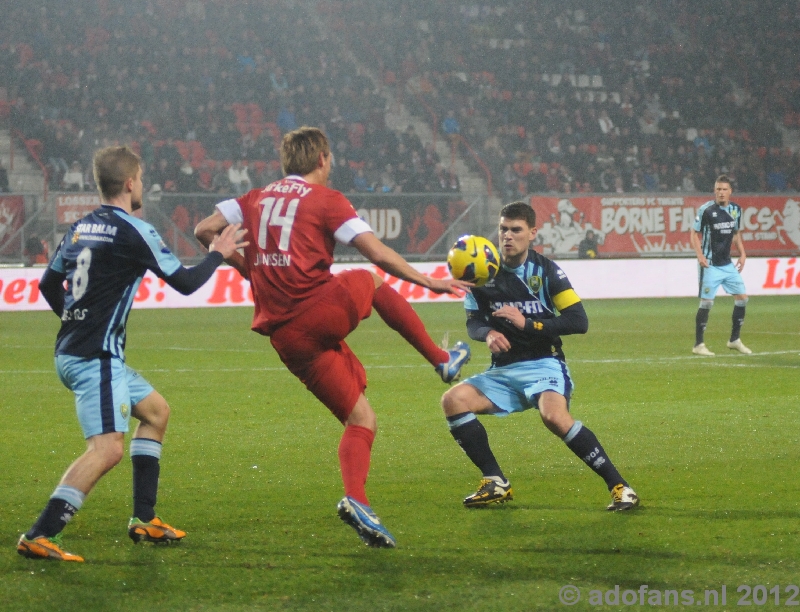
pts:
[12, 217]
[71, 208]
[592, 279]
[650, 225]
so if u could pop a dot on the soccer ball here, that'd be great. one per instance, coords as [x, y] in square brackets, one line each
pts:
[473, 259]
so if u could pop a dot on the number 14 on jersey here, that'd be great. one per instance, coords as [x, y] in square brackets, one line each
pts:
[273, 214]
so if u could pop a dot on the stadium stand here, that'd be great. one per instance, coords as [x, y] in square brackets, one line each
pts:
[600, 96]
[563, 97]
[197, 81]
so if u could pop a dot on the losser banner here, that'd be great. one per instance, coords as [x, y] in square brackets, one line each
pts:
[71, 208]
[633, 225]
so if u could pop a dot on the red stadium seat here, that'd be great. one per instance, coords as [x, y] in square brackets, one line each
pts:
[183, 148]
[197, 152]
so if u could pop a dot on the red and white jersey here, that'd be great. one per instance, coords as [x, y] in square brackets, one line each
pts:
[293, 227]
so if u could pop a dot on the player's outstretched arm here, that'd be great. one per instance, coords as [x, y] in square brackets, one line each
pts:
[211, 227]
[189, 280]
[389, 260]
[229, 241]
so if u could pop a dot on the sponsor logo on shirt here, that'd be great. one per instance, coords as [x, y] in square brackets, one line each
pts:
[76, 314]
[725, 226]
[101, 232]
[527, 307]
[288, 187]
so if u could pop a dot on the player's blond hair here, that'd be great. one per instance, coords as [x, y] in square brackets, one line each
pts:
[113, 166]
[300, 150]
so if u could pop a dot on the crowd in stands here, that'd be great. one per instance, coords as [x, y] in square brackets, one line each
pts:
[611, 97]
[204, 90]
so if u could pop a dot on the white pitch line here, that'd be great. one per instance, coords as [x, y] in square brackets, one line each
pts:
[712, 361]
[681, 357]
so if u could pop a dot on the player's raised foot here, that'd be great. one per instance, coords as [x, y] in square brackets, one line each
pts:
[736, 345]
[622, 498]
[366, 523]
[156, 531]
[45, 548]
[491, 491]
[702, 349]
[450, 371]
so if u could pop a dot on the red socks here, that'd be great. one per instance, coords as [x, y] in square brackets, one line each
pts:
[355, 449]
[398, 314]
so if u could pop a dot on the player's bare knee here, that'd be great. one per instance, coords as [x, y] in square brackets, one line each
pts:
[740, 300]
[455, 401]
[161, 416]
[559, 424]
[158, 416]
[153, 411]
[706, 304]
[555, 415]
[110, 453]
[362, 415]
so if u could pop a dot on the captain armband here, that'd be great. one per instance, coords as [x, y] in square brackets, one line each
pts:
[565, 299]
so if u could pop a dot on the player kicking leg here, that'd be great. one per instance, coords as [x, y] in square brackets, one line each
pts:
[398, 314]
[312, 347]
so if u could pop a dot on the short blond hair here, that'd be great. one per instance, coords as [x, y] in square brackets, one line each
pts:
[300, 150]
[113, 166]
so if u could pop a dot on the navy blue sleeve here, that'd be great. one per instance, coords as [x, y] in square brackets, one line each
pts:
[52, 288]
[571, 320]
[477, 328]
[189, 280]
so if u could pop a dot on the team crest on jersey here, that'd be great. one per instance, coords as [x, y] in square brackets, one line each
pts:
[123, 410]
[535, 283]
[75, 237]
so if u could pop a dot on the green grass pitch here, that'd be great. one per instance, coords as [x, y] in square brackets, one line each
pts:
[250, 471]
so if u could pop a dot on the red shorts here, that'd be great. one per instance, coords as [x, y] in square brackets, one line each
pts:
[312, 344]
